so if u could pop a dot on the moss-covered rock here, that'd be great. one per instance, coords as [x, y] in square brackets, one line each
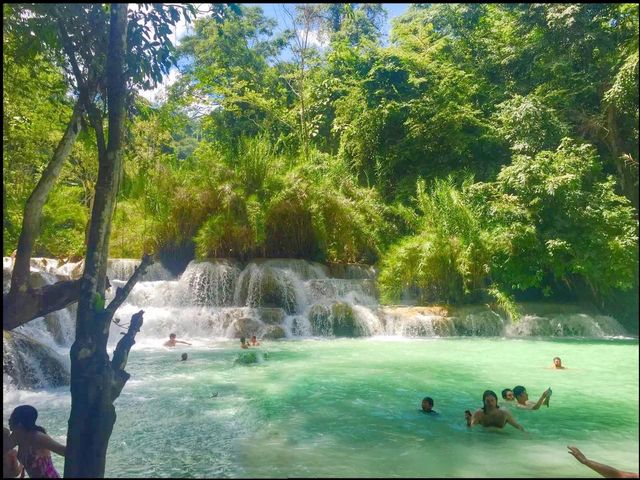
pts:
[274, 332]
[246, 327]
[264, 286]
[337, 319]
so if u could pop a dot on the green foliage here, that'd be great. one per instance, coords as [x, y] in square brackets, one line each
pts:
[448, 258]
[64, 219]
[557, 222]
[351, 153]
[528, 125]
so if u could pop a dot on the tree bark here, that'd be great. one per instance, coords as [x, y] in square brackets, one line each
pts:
[94, 382]
[37, 302]
[24, 303]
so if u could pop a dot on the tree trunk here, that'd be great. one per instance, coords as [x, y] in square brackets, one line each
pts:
[94, 383]
[24, 303]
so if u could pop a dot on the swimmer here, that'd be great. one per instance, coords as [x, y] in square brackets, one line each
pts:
[183, 357]
[557, 364]
[490, 415]
[172, 341]
[507, 395]
[254, 341]
[523, 401]
[243, 343]
[427, 406]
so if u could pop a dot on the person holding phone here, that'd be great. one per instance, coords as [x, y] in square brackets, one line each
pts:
[523, 401]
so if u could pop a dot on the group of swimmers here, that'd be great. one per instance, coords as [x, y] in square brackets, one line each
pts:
[491, 415]
[173, 340]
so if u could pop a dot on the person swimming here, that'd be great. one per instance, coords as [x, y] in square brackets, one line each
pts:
[490, 415]
[427, 406]
[523, 401]
[507, 394]
[243, 343]
[172, 341]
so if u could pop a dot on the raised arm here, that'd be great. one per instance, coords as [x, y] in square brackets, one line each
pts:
[604, 470]
[180, 341]
[540, 400]
[45, 441]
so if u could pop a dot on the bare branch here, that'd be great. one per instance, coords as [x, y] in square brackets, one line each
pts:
[123, 292]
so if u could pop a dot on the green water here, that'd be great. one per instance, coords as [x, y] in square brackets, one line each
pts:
[350, 408]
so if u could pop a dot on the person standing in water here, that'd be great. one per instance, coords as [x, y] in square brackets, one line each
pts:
[172, 341]
[523, 401]
[427, 406]
[34, 445]
[254, 341]
[557, 364]
[243, 343]
[490, 415]
[507, 395]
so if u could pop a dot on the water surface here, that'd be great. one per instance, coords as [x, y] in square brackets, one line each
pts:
[350, 408]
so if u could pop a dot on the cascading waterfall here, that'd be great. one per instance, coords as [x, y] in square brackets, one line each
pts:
[272, 298]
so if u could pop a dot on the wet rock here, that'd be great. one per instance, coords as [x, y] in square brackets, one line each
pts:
[29, 364]
[246, 327]
[274, 332]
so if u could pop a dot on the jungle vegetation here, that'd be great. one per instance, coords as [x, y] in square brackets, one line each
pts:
[483, 152]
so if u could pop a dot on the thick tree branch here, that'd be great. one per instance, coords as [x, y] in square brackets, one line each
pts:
[37, 302]
[33, 209]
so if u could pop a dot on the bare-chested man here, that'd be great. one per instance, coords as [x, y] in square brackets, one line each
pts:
[523, 401]
[490, 415]
[172, 341]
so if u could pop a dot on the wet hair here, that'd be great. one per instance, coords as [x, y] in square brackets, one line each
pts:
[505, 391]
[26, 416]
[557, 358]
[171, 335]
[429, 400]
[242, 339]
[488, 393]
[184, 356]
[519, 390]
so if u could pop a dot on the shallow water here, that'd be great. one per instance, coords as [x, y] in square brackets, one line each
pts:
[350, 408]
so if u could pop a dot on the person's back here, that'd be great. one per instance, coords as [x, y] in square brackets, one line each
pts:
[36, 460]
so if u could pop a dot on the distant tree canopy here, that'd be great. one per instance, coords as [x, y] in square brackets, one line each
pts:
[486, 149]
